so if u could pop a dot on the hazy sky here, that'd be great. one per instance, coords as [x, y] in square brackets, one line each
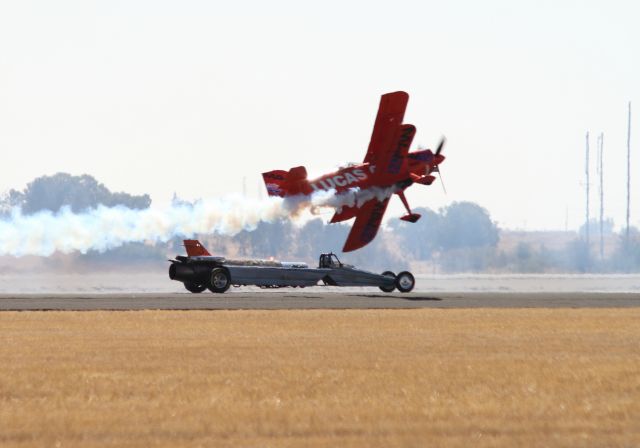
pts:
[191, 96]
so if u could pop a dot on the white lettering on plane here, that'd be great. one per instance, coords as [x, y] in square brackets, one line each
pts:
[342, 180]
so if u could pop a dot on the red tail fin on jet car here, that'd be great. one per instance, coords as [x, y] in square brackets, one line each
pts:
[195, 248]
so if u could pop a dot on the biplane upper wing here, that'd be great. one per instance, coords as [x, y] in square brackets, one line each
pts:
[389, 163]
[366, 225]
[389, 118]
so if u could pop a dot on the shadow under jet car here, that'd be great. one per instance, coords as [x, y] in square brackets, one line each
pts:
[200, 270]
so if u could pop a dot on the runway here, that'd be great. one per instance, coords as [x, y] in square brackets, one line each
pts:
[310, 299]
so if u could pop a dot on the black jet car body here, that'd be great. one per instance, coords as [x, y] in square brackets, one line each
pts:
[199, 271]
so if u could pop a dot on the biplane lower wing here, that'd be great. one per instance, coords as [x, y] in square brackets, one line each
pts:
[366, 225]
[345, 213]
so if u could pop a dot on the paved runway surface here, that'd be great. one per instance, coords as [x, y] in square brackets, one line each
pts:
[237, 300]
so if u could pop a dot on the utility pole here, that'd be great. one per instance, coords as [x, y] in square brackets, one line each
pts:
[628, 170]
[601, 175]
[586, 170]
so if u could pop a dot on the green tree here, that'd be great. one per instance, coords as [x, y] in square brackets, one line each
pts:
[627, 255]
[578, 255]
[316, 237]
[466, 225]
[419, 239]
[268, 239]
[78, 192]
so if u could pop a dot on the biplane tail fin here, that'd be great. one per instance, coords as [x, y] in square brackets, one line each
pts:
[286, 183]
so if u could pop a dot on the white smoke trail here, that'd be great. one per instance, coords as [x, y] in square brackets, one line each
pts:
[103, 228]
[352, 198]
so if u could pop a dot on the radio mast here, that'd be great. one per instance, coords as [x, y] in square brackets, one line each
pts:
[628, 170]
[601, 175]
[586, 170]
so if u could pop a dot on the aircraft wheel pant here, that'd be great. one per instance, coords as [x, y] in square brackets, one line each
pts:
[405, 281]
[194, 287]
[219, 281]
[388, 288]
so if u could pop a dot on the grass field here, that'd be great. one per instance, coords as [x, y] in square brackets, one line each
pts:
[321, 378]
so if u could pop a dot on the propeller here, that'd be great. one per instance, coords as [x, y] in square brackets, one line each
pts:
[441, 181]
[441, 145]
[438, 151]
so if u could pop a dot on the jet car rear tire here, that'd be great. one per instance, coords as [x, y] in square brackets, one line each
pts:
[219, 281]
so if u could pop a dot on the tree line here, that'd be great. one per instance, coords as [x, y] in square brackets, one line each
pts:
[64, 190]
[460, 237]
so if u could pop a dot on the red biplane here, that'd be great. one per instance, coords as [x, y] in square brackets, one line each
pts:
[388, 165]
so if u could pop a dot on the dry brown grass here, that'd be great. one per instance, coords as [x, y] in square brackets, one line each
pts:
[321, 378]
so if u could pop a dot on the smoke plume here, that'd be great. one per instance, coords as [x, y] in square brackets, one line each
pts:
[104, 228]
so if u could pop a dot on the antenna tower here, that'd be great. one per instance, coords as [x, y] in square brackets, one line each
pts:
[586, 170]
[628, 170]
[601, 175]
